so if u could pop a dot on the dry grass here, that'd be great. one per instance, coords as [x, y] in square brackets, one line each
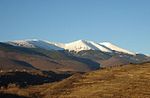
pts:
[131, 81]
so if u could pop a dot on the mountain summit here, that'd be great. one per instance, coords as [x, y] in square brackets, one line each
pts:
[80, 55]
[85, 45]
[76, 46]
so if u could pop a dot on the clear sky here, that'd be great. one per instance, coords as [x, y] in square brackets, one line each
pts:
[125, 23]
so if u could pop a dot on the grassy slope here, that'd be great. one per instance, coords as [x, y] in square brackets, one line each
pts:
[131, 81]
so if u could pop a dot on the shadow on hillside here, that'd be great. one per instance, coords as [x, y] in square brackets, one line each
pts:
[3, 95]
[23, 79]
[92, 64]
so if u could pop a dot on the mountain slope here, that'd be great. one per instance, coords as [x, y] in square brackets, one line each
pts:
[49, 60]
[14, 65]
[116, 48]
[118, 82]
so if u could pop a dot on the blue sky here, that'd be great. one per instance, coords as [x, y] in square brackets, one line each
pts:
[125, 23]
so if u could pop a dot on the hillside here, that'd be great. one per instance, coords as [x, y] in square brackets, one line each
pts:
[48, 60]
[130, 81]
[14, 65]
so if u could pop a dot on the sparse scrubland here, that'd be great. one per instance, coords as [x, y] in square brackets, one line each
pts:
[129, 81]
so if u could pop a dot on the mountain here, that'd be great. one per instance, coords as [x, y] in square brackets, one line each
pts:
[81, 45]
[77, 46]
[105, 53]
[42, 59]
[35, 43]
[112, 59]
[116, 48]
[24, 63]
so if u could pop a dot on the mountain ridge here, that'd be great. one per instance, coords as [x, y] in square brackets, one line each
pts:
[77, 46]
[104, 53]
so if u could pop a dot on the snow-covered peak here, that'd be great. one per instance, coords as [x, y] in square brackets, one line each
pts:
[85, 45]
[35, 43]
[77, 46]
[116, 48]
[21, 43]
[45, 45]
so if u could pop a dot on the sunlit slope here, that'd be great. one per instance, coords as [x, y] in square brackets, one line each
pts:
[131, 81]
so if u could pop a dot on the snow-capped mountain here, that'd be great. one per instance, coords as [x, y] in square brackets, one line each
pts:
[34, 43]
[108, 54]
[85, 45]
[90, 45]
[21, 43]
[116, 48]
[77, 46]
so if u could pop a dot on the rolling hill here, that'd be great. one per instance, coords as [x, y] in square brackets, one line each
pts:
[129, 81]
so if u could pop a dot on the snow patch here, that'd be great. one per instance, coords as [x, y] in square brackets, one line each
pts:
[116, 48]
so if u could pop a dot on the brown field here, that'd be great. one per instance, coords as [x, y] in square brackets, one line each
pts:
[129, 81]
